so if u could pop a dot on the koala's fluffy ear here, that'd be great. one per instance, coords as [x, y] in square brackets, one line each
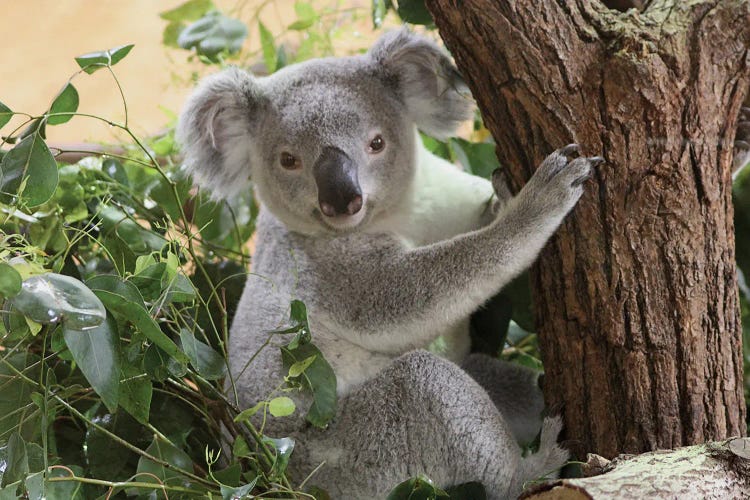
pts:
[425, 79]
[216, 129]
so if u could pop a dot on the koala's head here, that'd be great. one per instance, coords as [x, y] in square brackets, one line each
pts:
[330, 143]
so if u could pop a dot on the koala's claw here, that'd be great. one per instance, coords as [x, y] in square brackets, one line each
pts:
[570, 151]
[500, 185]
[595, 161]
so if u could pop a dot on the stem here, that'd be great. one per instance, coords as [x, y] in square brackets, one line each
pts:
[133, 448]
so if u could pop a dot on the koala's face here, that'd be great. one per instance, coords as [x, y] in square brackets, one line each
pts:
[336, 148]
[330, 144]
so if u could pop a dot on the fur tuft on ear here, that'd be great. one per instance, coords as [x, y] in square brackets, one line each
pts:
[425, 79]
[215, 131]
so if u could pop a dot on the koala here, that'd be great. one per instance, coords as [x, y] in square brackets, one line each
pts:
[390, 248]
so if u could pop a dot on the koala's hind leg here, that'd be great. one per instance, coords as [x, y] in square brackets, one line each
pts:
[515, 391]
[422, 414]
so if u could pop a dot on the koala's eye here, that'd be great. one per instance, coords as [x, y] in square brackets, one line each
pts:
[289, 161]
[376, 145]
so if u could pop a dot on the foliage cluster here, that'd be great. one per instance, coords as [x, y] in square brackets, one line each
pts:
[118, 282]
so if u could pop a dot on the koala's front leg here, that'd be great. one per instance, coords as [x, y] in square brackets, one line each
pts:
[412, 295]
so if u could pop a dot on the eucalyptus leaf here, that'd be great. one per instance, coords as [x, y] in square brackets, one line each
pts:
[208, 363]
[136, 391]
[51, 297]
[212, 34]
[379, 10]
[5, 114]
[417, 488]
[477, 158]
[96, 352]
[170, 454]
[94, 61]
[28, 170]
[284, 448]
[15, 465]
[10, 281]
[39, 487]
[238, 493]
[319, 378]
[66, 102]
[123, 298]
[188, 11]
[414, 12]
[281, 406]
[17, 412]
[268, 45]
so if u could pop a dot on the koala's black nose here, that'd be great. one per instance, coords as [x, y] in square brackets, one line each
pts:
[338, 186]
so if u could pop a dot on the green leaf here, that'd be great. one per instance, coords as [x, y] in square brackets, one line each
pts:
[207, 362]
[170, 454]
[268, 45]
[51, 297]
[299, 367]
[65, 102]
[212, 34]
[414, 12]
[108, 459]
[245, 415]
[188, 11]
[171, 34]
[319, 379]
[240, 492]
[96, 353]
[40, 488]
[301, 25]
[417, 488]
[10, 281]
[16, 410]
[281, 406]
[16, 464]
[29, 162]
[136, 391]
[477, 158]
[5, 114]
[123, 298]
[284, 448]
[379, 10]
[94, 61]
[304, 11]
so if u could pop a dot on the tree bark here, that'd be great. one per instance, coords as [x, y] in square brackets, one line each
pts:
[714, 471]
[636, 296]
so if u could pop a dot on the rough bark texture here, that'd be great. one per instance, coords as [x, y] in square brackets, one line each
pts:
[636, 296]
[715, 471]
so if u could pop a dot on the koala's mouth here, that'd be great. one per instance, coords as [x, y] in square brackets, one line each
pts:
[345, 223]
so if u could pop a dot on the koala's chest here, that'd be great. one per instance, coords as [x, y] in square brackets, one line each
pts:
[355, 365]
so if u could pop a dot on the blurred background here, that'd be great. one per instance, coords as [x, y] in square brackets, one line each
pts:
[155, 77]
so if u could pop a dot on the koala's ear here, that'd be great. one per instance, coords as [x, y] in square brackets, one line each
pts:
[216, 129]
[425, 79]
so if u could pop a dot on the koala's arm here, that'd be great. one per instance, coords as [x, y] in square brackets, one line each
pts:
[410, 294]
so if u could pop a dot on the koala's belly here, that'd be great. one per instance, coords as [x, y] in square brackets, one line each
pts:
[354, 365]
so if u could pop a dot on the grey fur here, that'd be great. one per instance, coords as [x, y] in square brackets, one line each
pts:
[425, 251]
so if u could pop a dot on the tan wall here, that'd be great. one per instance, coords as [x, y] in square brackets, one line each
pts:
[40, 38]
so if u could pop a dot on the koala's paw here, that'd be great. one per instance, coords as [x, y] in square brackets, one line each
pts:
[557, 184]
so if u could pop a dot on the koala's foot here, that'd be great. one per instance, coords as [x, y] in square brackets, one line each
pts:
[556, 185]
[547, 462]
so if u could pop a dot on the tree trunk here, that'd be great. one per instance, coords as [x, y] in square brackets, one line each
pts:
[636, 296]
[713, 471]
